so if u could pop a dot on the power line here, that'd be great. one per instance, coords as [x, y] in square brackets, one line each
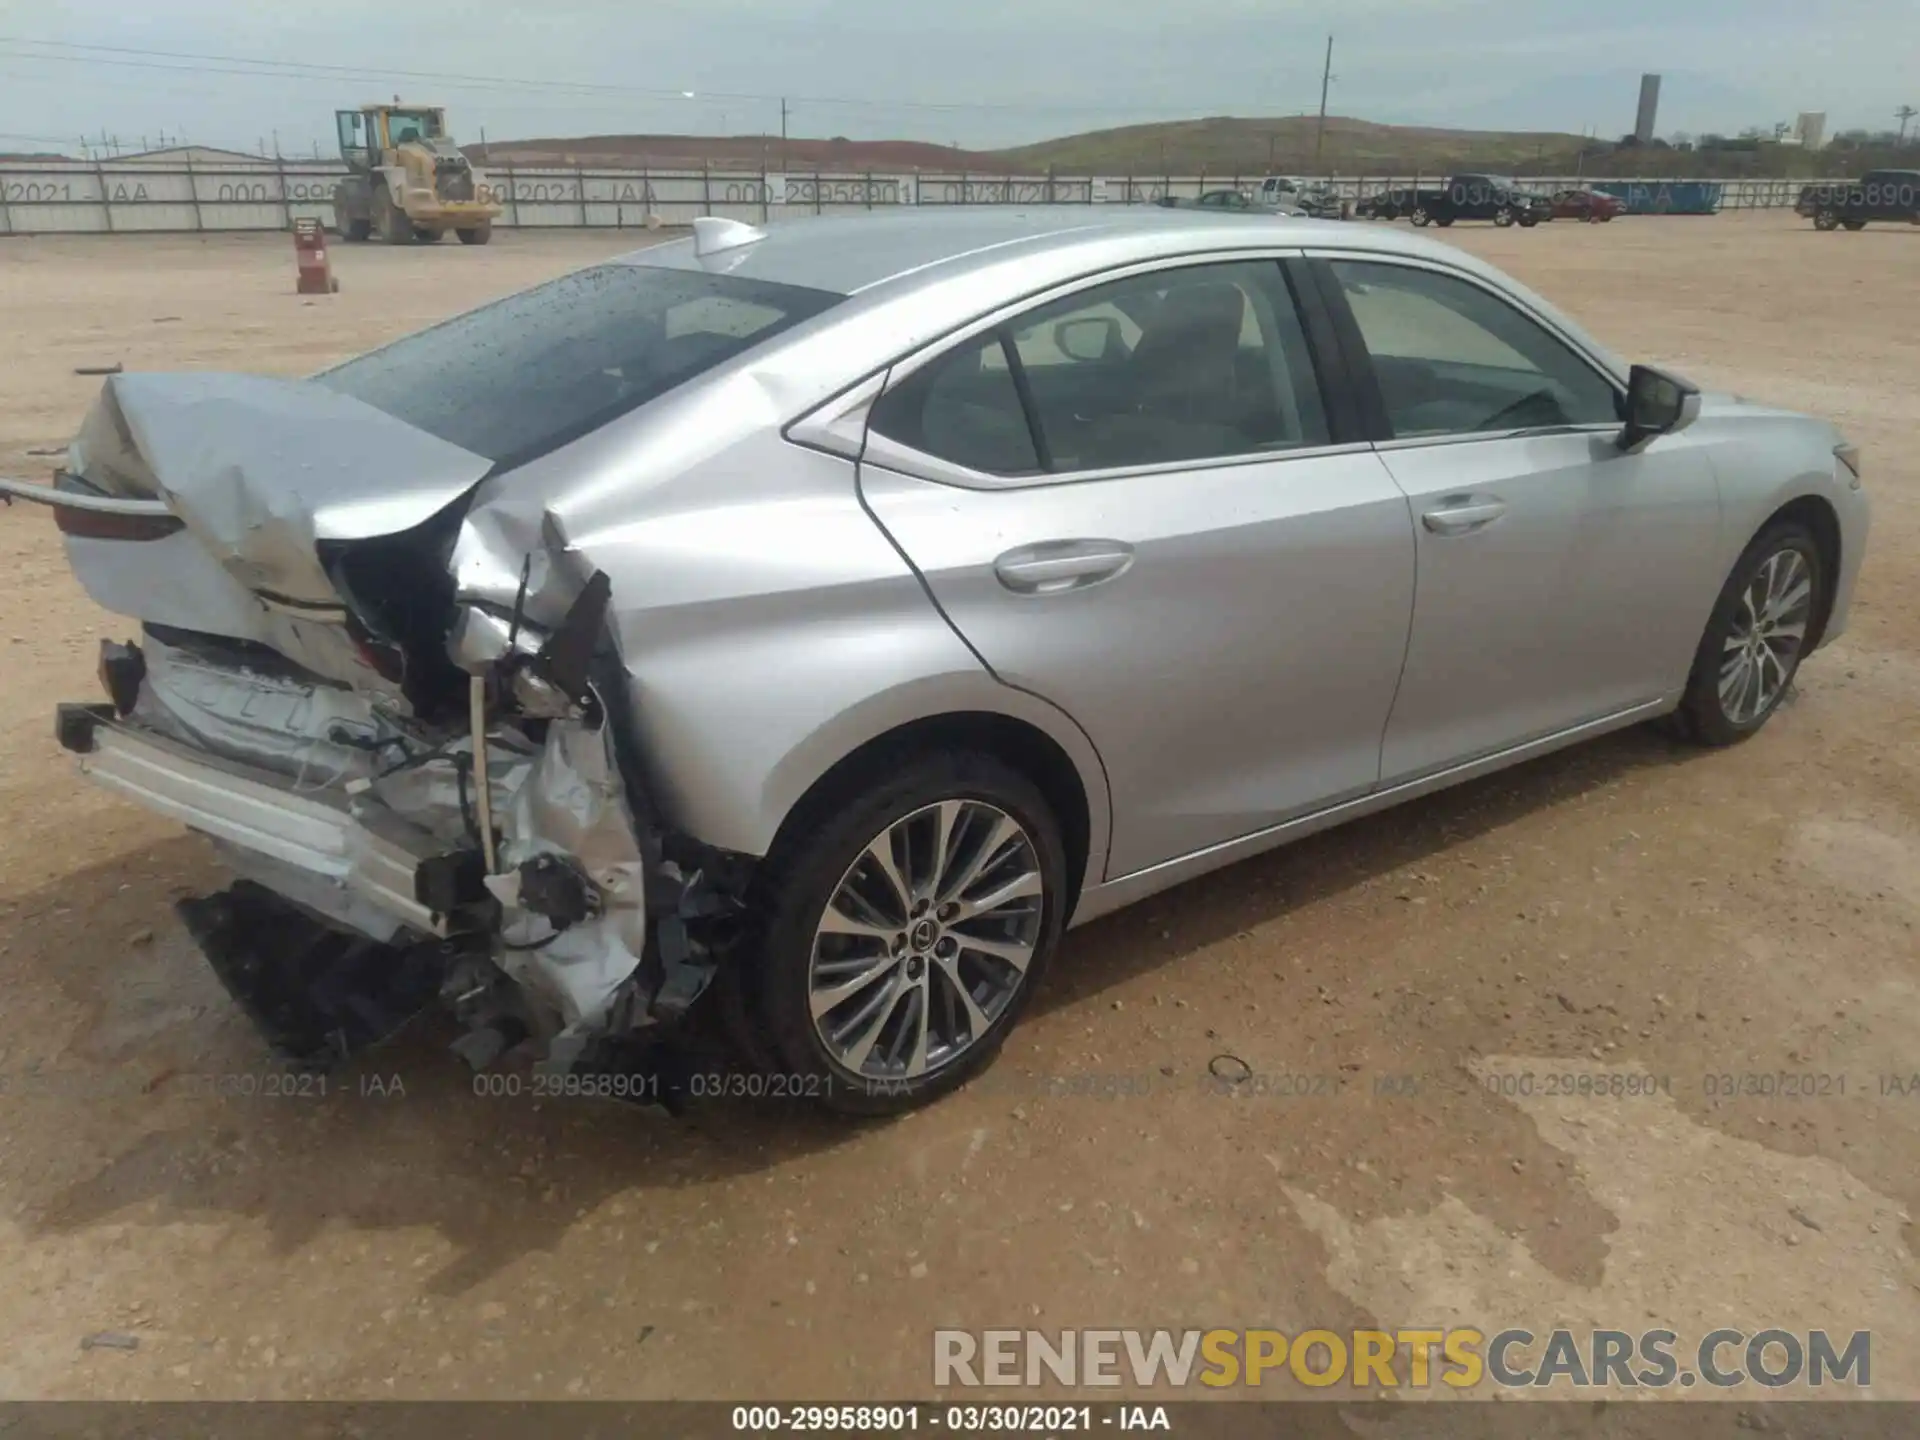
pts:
[215, 64]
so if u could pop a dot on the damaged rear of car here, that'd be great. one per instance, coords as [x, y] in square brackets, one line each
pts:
[404, 721]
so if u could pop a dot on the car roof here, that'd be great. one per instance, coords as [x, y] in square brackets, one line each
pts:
[916, 273]
[849, 254]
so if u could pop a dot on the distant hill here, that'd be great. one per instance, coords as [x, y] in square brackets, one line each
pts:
[1224, 145]
[1219, 146]
[738, 152]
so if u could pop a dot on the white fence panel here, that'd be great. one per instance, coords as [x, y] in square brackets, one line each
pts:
[78, 197]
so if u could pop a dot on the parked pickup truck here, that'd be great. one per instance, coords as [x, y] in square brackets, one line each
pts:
[1498, 198]
[1877, 195]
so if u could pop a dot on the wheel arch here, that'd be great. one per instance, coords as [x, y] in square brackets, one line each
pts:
[1063, 767]
[1815, 512]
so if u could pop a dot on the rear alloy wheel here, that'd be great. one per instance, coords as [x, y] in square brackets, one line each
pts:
[1825, 220]
[1504, 217]
[1420, 216]
[1755, 639]
[903, 941]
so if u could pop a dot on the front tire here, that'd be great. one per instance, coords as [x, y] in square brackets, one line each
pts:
[1755, 638]
[1420, 217]
[1854, 224]
[475, 234]
[1825, 220]
[907, 920]
[390, 221]
[1503, 218]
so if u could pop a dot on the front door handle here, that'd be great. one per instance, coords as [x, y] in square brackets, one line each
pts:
[1463, 514]
[1054, 567]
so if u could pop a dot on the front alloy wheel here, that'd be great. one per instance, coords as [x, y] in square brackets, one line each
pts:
[1767, 615]
[1769, 630]
[926, 941]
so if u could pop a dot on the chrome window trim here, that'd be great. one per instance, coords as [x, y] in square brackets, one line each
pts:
[885, 454]
[1473, 437]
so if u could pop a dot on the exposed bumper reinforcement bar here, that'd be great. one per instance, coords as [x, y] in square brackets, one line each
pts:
[256, 811]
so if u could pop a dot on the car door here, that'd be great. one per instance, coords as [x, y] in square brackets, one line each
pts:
[1135, 501]
[1560, 580]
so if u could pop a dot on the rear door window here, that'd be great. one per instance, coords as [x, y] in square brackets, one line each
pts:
[1177, 365]
[528, 374]
[964, 408]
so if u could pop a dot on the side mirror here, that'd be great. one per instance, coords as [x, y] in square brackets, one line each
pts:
[1657, 404]
[1088, 338]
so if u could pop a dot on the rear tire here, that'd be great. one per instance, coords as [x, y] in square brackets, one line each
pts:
[1504, 217]
[1444, 221]
[794, 960]
[476, 234]
[1420, 217]
[1779, 582]
[1825, 220]
[1854, 224]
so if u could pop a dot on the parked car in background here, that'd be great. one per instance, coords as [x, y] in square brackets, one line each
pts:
[1883, 195]
[828, 617]
[1234, 202]
[1582, 202]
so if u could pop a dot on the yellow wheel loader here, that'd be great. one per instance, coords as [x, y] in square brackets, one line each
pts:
[409, 183]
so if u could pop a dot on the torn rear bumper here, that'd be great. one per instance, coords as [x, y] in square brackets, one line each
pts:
[256, 811]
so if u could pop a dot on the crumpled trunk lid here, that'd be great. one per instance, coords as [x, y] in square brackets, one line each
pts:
[272, 480]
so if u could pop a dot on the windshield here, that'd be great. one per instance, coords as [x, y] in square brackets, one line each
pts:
[406, 125]
[526, 375]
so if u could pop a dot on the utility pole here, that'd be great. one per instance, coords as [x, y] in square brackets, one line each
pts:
[1903, 115]
[783, 132]
[1320, 130]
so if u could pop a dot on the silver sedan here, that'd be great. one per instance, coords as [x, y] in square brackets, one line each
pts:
[822, 621]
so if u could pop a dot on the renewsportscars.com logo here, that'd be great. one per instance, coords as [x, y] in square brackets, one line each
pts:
[1460, 1358]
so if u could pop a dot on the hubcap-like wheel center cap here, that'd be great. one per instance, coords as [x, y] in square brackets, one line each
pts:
[924, 934]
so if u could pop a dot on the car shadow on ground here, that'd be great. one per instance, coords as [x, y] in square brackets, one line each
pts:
[170, 1086]
[1159, 931]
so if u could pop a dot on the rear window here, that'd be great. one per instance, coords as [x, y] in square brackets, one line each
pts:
[526, 375]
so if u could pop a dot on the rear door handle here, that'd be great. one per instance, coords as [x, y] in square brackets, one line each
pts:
[1054, 567]
[1463, 514]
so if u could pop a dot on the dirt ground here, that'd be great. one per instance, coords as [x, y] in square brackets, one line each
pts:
[1628, 907]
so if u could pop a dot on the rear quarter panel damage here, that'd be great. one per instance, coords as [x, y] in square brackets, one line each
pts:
[766, 626]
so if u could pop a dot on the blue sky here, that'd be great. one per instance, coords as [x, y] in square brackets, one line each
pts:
[975, 72]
